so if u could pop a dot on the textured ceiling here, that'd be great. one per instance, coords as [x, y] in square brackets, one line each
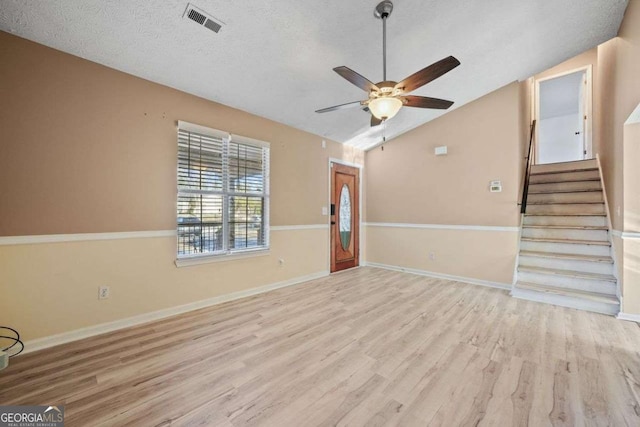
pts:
[275, 58]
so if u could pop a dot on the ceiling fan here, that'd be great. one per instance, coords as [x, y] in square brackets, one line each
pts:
[387, 97]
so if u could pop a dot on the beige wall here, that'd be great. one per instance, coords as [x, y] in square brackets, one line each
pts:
[619, 68]
[610, 151]
[87, 149]
[52, 288]
[408, 184]
[468, 254]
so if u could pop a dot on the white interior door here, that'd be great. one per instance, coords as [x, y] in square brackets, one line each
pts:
[561, 110]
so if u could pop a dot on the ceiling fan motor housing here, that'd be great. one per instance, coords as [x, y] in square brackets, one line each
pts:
[387, 97]
[383, 9]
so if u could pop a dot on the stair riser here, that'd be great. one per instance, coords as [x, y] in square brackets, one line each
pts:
[590, 221]
[566, 248]
[565, 186]
[565, 301]
[584, 197]
[566, 233]
[595, 208]
[566, 264]
[561, 177]
[567, 282]
[568, 166]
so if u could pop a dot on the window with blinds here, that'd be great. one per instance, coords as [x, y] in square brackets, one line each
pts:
[223, 192]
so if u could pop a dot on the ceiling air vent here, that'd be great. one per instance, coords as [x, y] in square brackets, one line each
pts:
[202, 18]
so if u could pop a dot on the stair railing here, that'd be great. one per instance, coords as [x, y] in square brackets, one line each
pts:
[527, 173]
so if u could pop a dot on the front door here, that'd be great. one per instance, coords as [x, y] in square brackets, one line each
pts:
[345, 217]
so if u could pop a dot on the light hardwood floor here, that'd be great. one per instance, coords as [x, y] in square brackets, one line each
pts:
[363, 347]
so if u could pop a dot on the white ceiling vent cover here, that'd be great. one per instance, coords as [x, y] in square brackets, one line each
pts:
[202, 18]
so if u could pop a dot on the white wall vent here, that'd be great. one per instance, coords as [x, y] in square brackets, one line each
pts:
[202, 18]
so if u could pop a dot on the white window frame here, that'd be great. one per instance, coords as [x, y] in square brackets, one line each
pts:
[227, 254]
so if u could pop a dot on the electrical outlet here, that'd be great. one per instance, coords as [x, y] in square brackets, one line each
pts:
[104, 292]
[281, 262]
[324, 211]
[432, 256]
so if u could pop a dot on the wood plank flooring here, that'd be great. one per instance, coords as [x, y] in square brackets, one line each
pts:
[363, 347]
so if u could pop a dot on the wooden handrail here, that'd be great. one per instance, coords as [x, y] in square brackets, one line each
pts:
[527, 173]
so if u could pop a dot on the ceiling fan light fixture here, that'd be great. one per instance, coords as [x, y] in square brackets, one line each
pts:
[384, 108]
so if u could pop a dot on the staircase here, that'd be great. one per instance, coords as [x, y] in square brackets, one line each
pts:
[565, 251]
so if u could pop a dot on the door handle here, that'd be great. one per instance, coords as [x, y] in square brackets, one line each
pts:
[333, 223]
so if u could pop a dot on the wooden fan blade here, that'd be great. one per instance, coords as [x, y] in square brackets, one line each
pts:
[340, 107]
[428, 74]
[426, 102]
[355, 78]
[375, 121]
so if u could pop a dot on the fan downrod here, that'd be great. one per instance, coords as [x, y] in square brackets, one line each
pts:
[383, 9]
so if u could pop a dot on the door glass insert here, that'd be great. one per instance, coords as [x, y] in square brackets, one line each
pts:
[345, 217]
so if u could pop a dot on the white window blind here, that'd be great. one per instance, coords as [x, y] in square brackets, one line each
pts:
[223, 192]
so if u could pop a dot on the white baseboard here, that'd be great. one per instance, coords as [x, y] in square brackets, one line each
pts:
[90, 331]
[628, 316]
[498, 285]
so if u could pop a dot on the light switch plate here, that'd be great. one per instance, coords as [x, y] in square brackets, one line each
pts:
[441, 151]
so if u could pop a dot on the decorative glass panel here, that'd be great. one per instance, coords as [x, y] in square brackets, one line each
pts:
[345, 217]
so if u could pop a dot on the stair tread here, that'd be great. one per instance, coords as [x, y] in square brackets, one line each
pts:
[556, 202]
[565, 180]
[564, 214]
[561, 191]
[588, 169]
[573, 257]
[593, 296]
[576, 274]
[571, 241]
[568, 162]
[569, 227]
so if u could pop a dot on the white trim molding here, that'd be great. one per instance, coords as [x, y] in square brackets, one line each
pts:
[631, 235]
[82, 237]
[497, 285]
[628, 316]
[443, 226]
[90, 331]
[299, 227]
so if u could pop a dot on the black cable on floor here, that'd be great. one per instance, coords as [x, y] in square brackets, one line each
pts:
[16, 341]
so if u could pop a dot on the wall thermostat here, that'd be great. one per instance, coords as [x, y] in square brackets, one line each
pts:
[495, 186]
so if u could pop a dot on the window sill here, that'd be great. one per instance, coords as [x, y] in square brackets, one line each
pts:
[207, 259]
